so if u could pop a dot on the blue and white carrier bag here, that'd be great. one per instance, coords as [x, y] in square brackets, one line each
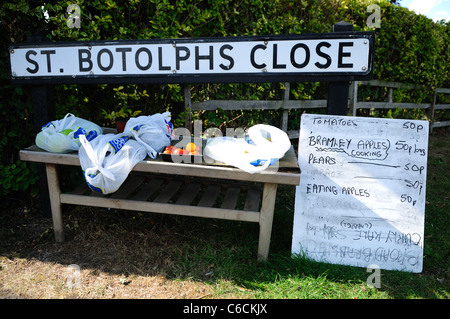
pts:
[62, 136]
[107, 160]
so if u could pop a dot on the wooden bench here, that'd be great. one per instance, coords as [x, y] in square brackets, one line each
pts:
[198, 189]
[175, 187]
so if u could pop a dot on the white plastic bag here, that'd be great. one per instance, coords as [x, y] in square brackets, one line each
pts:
[107, 160]
[155, 131]
[62, 136]
[265, 146]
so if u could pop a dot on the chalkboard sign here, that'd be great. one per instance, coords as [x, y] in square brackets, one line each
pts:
[361, 198]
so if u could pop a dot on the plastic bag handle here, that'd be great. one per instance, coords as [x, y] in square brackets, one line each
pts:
[63, 122]
[96, 161]
[279, 143]
[148, 147]
[58, 126]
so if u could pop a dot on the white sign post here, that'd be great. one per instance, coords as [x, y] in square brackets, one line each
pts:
[361, 198]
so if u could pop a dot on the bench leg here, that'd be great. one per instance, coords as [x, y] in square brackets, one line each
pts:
[265, 220]
[55, 203]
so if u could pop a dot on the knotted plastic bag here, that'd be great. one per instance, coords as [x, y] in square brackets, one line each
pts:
[62, 136]
[107, 160]
[264, 146]
[155, 132]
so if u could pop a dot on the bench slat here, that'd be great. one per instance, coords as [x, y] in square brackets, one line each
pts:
[189, 194]
[197, 170]
[168, 191]
[185, 210]
[231, 198]
[253, 200]
[83, 188]
[148, 189]
[130, 185]
[210, 195]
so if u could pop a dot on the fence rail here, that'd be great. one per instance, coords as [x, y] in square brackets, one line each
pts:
[353, 104]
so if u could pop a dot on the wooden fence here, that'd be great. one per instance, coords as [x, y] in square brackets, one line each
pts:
[353, 104]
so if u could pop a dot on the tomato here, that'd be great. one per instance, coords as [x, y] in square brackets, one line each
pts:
[169, 149]
[179, 151]
[190, 150]
[191, 147]
[176, 151]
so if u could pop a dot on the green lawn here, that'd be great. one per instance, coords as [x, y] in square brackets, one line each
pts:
[225, 251]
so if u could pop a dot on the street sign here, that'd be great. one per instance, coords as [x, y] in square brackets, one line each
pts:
[326, 56]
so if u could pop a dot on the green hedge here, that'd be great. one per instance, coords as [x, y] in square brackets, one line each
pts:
[410, 48]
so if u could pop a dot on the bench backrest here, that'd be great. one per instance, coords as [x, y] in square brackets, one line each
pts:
[337, 57]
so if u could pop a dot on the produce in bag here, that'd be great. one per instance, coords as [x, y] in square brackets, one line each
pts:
[155, 131]
[264, 146]
[62, 136]
[107, 160]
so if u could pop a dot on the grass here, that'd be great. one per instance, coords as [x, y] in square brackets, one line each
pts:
[125, 254]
